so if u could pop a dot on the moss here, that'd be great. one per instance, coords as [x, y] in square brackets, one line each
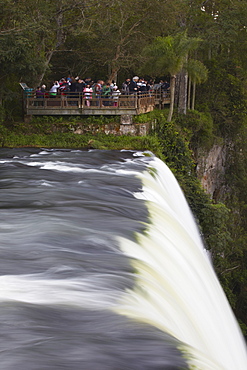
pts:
[85, 120]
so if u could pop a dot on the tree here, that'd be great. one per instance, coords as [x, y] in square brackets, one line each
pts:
[168, 55]
[197, 73]
[120, 29]
[54, 22]
[18, 55]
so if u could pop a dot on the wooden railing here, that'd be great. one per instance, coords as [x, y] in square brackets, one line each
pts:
[77, 104]
[162, 96]
[75, 101]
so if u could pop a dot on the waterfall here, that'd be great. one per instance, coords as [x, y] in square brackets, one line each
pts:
[102, 267]
[176, 288]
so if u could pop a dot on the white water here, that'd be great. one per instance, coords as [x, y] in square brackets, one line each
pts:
[62, 255]
[176, 287]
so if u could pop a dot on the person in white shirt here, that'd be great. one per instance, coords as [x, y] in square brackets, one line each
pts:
[115, 96]
[53, 89]
[87, 94]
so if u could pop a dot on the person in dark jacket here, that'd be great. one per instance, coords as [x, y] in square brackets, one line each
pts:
[80, 86]
[133, 87]
[125, 86]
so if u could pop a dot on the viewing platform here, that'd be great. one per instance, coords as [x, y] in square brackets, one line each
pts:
[76, 104]
[72, 104]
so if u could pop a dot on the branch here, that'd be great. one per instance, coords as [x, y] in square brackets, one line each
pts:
[229, 270]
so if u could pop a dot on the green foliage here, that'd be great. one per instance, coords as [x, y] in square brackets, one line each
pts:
[225, 97]
[234, 275]
[197, 71]
[215, 220]
[152, 117]
[176, 150]
[199, 128]
[97, 120]
[2, 114]
[50, 134]
[168, 54]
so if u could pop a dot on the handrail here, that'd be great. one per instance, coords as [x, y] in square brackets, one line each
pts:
[75, 103]
[78, 100]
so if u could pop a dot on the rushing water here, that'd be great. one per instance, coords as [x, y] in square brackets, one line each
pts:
[102, 268]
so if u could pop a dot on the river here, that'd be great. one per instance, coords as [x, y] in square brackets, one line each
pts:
[102, 268]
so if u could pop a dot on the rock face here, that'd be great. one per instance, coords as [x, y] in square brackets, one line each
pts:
[211, 171]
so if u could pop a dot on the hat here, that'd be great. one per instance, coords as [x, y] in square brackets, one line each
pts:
[43, 86]
[136, 78]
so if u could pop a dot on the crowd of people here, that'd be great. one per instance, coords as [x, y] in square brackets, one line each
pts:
[88, 89]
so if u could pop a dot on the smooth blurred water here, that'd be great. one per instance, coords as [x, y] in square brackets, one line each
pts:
[102, 267]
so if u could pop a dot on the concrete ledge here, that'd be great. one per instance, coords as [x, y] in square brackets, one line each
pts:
[81, 112]
[87, 111]
[136, 129]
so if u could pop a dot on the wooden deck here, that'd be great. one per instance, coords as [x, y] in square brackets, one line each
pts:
[77, 105]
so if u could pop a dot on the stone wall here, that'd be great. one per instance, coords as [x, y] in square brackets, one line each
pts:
[135, 129]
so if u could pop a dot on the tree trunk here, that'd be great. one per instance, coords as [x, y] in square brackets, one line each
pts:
[193, 96]
[60, 39]
[172, 92]
[47, 62]
[209, 53]
[189, 93]
[113, 74]
[176, 92]
[183, 86]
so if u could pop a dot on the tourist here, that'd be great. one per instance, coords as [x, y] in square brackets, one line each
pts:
[106, 94]
[43, 89]
[133, 87]
[64, 86]
[54, 89]
[142, 86]
[112, 85]
[98, 90]
[88, 92]
[72, 87]
[150, 86]
[88, 81]
[125, 86]
[165, 88]
[158, 89]
[115, 96]
[80, 84]
[69, 78]
[39, 93]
